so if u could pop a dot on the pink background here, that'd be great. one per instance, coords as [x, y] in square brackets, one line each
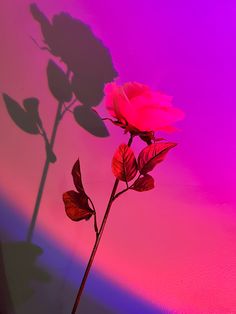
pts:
[173, 247]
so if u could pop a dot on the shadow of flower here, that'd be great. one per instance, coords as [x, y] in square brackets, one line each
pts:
[84, 54]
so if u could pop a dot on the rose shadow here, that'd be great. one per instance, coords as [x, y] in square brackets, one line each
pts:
[89, 67]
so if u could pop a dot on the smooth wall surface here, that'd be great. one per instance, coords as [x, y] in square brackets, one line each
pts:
[170, 250]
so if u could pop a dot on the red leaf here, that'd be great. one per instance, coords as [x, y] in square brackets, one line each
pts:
[76, 174]
[124, 165]
[76, 206]
[153, 154]
[144, 183]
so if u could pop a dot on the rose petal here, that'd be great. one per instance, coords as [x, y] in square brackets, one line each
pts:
[160, 120]
[134, 89]
[141, 109]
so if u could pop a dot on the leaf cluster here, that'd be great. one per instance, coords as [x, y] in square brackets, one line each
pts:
[125, 167]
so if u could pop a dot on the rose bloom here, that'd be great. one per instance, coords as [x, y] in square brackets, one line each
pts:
[139, 109]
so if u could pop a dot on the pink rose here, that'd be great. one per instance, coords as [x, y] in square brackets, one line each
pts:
[138, 108]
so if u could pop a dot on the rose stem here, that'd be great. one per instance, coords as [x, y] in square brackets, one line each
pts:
[45, 171]
[95, 247]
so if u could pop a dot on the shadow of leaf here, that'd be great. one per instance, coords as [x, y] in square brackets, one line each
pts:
[90, 121]
[31, 105]
[22, 118]
[19, 261]
[58, 83]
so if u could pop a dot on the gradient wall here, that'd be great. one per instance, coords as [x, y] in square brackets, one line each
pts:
[170, 250]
